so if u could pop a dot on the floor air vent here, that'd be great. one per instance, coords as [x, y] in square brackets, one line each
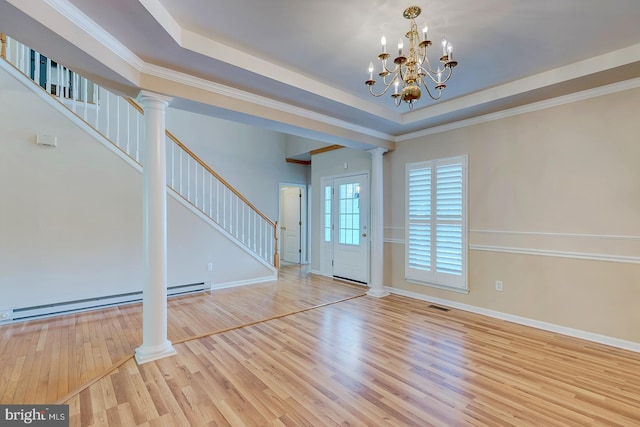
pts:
[437, 307]
[67, 307]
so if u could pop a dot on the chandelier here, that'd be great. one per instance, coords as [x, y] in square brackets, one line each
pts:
[412, 71]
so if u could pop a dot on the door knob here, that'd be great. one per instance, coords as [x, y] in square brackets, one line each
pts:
[364, 234]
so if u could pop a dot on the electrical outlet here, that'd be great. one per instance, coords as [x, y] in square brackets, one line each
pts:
[498, 285]
[210, 266]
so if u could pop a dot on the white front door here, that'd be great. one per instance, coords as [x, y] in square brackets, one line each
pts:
[290, 224]
[350, 217]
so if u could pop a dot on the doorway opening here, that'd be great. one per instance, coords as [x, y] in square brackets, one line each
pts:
[293, 224]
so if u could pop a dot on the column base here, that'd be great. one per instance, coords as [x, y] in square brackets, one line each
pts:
[378, 293]
[146, 354]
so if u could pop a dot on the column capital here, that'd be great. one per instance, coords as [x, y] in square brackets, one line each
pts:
[378, 151]
[150, 98]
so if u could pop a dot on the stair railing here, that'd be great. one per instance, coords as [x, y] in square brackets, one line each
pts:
[120, 120]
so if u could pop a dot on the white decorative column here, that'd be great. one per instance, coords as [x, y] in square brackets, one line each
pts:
[376, 287]
[155, 344]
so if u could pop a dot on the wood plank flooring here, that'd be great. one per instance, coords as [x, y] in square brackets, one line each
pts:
[373, 362]
[44, 360]
[360, 361]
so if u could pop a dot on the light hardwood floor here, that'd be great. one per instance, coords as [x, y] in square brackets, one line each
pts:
[366, 361]
[43, 361]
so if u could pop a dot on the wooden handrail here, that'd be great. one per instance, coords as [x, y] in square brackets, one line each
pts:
[218, 177]
[211, 171]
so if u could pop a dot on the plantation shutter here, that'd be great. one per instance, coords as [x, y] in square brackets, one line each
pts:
[436, 223]
[419, 222]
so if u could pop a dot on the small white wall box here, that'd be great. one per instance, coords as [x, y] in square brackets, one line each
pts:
[47, 140]
[6, 315]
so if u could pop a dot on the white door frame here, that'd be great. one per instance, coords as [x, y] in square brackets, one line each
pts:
[304, 255]
[326, 248]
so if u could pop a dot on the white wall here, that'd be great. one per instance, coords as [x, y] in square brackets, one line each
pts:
[251, 159]
[71, 216]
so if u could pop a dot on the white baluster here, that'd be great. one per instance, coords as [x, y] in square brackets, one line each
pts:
[173, 166]
[195, 182]
[236, 218]
[85, 89]
[74, 93]
[108, 113]
[23, 60]
[188, 178]
[49, 76]
[138, 136]
[36, 67]
[181, 175]
[98, 107]
[217, 201]
[203, 188]
[255, 227]
[59, 81]
[210, 196]
[128, 111]
[229, 227]
[118, 99]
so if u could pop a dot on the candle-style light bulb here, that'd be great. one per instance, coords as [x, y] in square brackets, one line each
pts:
[370, 70]
[400, 46]
[383, 42]
[450, 51]
[424, 32]
[444, 47]
[396, 84]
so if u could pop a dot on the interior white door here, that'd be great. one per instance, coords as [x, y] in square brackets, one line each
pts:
[351, 228]
[290, 224]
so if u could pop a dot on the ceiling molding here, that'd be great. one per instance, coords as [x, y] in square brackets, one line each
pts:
[88, 26]
[202, 45]
[209, 86]
[536, 106]
[558, 75]
[111, 44]
[164, 18]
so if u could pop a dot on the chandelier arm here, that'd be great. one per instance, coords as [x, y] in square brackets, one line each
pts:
[386, 87]
[448, 76]
[435, 98]
[428, 68]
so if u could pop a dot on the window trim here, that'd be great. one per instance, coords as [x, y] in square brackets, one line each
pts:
[431, 277]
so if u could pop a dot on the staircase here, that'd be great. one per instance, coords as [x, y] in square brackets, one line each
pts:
[119, 120]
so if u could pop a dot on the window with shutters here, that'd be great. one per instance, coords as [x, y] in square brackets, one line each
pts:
[436, 223]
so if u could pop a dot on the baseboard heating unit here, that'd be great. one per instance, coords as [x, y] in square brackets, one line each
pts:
[67, 307]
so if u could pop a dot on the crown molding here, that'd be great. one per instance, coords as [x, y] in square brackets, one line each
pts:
[536, 106]
[219, 89]
[87, 25]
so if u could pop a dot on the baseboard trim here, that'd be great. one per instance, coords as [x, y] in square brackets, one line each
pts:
[216, 286]
[575, 333]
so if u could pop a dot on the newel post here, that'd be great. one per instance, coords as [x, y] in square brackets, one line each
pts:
[276, 255]
[3, 48]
